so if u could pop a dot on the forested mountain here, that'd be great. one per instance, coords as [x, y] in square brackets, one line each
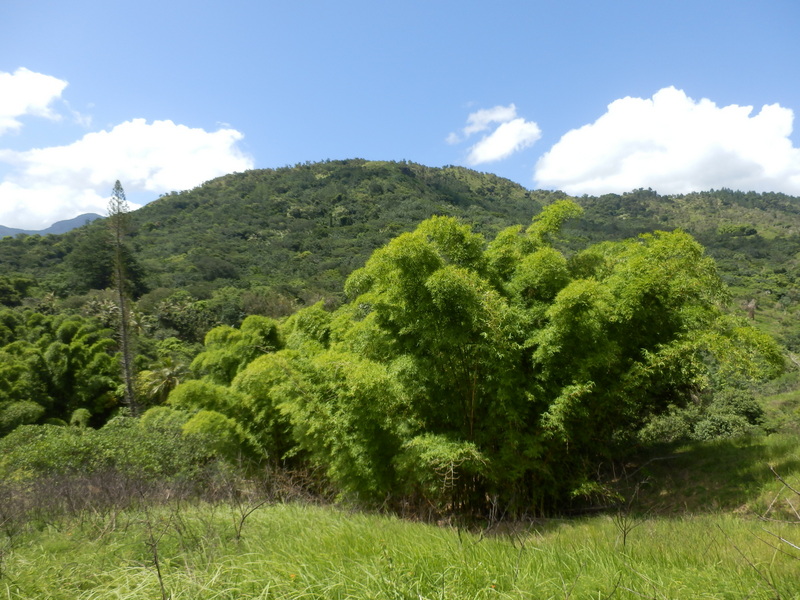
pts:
[284, 238]
[268, 241]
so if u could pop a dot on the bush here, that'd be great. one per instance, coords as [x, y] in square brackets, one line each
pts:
[721, 426]
[737, 402]
[214, 432]
[80, 417]
[147, 449]
[674, 426]
[19, 413]
[163, 418]
[731, 412]
[436, 469]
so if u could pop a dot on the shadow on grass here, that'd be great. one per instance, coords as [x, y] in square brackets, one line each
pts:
[724, 475]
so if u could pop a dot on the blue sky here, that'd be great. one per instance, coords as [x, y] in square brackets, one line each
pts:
[585, 96]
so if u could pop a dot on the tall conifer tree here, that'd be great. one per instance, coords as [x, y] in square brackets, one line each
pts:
[119, 222]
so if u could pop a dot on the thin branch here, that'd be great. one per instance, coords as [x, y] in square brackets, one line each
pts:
[782, 480]
[784, 540]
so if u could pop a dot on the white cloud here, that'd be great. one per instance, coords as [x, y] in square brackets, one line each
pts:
[39, 205]
[50, 184]
[507, 139]
[674, 144]
[481, 120]
[510, 135]
[24, 92]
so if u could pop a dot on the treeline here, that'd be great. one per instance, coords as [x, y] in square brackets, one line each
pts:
[271, 241]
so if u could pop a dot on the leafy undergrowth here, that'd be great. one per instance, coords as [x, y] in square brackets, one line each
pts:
[294, 551]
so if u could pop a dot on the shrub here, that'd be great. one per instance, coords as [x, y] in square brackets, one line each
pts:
[214, 432]
[148, 449]
[80, 417]
[737, 402]
[674, 426]
[437, 470]
[721, 426]
[14, 414]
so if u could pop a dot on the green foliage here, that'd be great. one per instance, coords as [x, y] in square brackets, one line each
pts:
[264, 385]
[736, 230]
[228, 350]
[299, 551]
[163, 418]
[541, 350]
[341, 410]
[61, 363]
[346, 418]
[196, 395]
[183, 315]
[727, 412]
[80, 418]
[40, 450]
[429, 467]
[739, 402]
[308, 326]
[461, 371]
[548, 224]
[90, 264]
[518, 374]
[276, 240]
[716, 426]
[151, 448]
[154, 385]
[279, 238]
[675, 424]
[215, 432]
[13, 289]
[14, 414]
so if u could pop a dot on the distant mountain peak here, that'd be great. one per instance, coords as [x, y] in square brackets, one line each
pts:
[56, 228]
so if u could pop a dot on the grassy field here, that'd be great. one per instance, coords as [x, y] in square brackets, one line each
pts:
[693, 532]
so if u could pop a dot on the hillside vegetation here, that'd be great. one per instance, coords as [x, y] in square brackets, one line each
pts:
[269, 241]
[512, 339]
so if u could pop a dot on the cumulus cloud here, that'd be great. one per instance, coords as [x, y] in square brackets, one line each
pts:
[481, 120]
[504, 141]
[674, 144]
[49, 184]
[511, 134]
[24, 92]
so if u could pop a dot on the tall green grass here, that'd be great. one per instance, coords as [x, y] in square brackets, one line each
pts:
[696, 530]
[731, 475]
[293, 551]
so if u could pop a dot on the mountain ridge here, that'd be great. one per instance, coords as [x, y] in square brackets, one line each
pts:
[299, 231]
[56, 228]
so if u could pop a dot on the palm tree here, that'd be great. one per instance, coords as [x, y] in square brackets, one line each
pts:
[164, 378]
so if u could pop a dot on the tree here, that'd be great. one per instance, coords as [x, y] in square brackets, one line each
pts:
[514, 370]
[90, 263]
[119, 223]
[229, 350]
[61, 363]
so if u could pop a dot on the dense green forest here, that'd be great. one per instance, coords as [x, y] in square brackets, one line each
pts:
[404, 334]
